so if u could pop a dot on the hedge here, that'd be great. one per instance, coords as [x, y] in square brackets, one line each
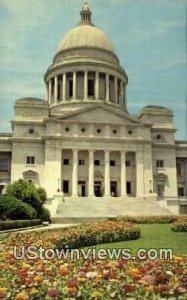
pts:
[97, 233]
[180, 225]
[150, 219]
[5, 225]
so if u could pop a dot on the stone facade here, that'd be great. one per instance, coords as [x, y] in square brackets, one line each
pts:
[81, 141]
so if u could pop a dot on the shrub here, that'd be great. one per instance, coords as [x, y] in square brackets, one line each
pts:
[12, 208]
[5, 225]
[28, 193]
[44, 214]
[97, 233]
[42, 194]
[148, 219]
[180, 225]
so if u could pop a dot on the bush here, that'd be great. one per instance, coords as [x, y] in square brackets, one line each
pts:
[97, 233]
[42, 194]
[5, 225]
[148, 219]
[12, 208]
[180, 225]
[44, 214]
[26, 192]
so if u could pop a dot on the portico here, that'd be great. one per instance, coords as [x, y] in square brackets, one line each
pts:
[101, 173]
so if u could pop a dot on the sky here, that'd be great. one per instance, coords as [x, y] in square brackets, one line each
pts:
[149, 37]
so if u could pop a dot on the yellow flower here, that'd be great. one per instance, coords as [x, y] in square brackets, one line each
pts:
[34, 292]
[3, 290]
[148, 289]
[21, 296]
[96, 295]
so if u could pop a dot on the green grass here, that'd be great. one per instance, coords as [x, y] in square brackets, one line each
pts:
[155, 236]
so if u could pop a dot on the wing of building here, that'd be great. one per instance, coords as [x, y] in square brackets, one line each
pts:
[81, 142]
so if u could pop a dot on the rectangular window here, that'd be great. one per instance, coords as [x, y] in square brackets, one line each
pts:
[180, 191]
[4, 165]
[30, 160]
[128, 163]
[160, 163]
[66, 186]
[90, 87]
[71, 88]
[81, 162]
[66, 162]
[179, 169]
[112, 163]
[97, 162]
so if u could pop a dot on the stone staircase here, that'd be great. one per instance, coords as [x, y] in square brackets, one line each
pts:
[97, 208]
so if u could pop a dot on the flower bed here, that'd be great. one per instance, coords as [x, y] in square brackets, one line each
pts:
[97, 233]
[150, 219]
[85, 279]
[180, 225]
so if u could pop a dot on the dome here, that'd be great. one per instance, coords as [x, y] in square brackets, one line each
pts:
[85, 34]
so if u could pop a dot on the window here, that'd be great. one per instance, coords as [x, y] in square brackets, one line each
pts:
[83, 130]
[128, 163]
[67, 129]
[66, 161]
[71, 88]
[90, 87]
[81, 162]
[97, 162]
[180, 191]
[30, 160]
[179, 169]
[31, 130]
[112, 163]
[98, 131]
[114, 131]
[65, 186]
[130, 132]
[4, 165]
[160, 163]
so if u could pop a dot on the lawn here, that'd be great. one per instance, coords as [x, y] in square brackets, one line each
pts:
[155, 236]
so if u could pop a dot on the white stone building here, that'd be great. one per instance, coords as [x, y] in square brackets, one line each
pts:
[81, 142]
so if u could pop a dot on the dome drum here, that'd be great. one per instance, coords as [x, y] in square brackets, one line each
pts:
[85, 86]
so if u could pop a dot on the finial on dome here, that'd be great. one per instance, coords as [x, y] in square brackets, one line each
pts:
[86, 14]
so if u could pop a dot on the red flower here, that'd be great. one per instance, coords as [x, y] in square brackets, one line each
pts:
[72, 284]
[53, 293]
[129, 288]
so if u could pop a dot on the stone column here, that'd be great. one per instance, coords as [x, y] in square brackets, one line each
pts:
[91, 174]
[97, 86]
[107, 173]
[123, 173]
[64, 87]
[115, 90]
[49, 91]
[74, 85]
[139, 172]
[75, 173]
[122, 94]
[56, 89]
[86, 85]
[107, 88]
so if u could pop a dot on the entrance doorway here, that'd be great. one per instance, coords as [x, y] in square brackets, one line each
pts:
[160, 190]
[113, 188]
[82, 188]
[97, 188]
[129, 189]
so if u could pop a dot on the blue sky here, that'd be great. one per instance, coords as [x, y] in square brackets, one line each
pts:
[149, 37]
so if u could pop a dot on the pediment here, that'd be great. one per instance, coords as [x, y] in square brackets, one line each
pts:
[101, 114]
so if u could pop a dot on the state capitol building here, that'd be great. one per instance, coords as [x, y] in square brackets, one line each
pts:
[82, 144]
